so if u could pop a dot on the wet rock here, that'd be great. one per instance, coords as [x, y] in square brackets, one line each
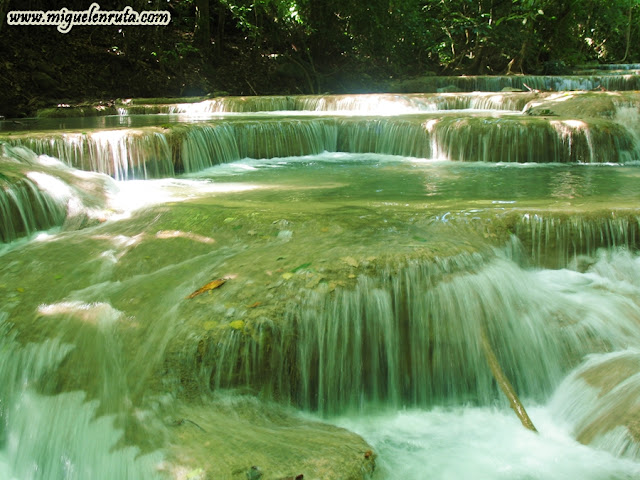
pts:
[285, 235]
[448, 89]
[280, 443]
[254, 473]
[600, 400]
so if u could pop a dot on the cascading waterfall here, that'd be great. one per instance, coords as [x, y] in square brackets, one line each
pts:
[25, 209]
[46, 435]
[125, 155]
[410, 337]
[556, 241]
[122, 154]
[475, 92]
[38, 193]
[525, 82]
[467, 139]
[208, 145]
[599, 400]
[361, 104]
[352, 277]
[532, 141]
[613, 66]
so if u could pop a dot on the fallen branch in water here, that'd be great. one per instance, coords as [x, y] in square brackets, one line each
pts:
[209, 286]
[182, 421]
[504, 383]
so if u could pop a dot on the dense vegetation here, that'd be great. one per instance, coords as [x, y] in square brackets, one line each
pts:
[302, 46]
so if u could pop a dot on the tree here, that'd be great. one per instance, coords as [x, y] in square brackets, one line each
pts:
[202, 33]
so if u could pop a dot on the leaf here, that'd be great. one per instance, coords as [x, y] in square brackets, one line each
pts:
[237, 324]
[254, 305]
[300, 267]
[209, 286]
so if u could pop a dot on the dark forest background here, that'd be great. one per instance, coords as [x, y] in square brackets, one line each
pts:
[250, 47]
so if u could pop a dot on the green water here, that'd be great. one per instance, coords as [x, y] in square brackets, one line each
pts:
[375, 179]
[355, 289]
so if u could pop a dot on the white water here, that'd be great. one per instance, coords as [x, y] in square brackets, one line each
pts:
[257, 221]
[482, 444]
[490, 443]
[57, 436]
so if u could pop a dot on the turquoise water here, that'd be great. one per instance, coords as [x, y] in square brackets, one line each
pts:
[355, 288]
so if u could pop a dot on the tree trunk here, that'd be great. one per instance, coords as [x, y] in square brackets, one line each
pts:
[220, 30]
[4, 6]
[503, 382]
[202, 33]
[626, 52]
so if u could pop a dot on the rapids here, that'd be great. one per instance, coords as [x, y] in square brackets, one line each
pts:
[363, 246]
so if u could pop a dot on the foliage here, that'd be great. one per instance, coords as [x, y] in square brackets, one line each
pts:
[303, 46]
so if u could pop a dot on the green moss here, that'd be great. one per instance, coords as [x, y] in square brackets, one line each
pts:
[74, 112]
[163, 100]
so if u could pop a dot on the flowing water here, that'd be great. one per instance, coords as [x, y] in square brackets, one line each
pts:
[362, 248]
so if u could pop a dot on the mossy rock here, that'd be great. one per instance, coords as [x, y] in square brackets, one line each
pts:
[75, 112]
[163, 100]
[233, 436]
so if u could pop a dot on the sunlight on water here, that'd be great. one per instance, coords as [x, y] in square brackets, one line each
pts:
[354, 265]
[138, 194]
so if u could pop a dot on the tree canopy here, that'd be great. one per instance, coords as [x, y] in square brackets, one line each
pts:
[305, 46]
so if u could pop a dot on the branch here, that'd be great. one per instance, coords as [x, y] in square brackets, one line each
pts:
[504, 383]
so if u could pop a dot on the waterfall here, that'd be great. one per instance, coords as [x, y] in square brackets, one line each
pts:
[147, 153]
[408, 138]
[351, 260]
[490, 140]
[384, 104]
[473, 93]
[612, 66]
[520, 82]
[122, 154]
[556, 241]
[46, 435]
[208, 145]
[25, 209]
[38, 193]
[410, 337]
[599, 400]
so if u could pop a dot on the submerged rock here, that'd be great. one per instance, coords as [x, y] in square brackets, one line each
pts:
[601, 399]
[244, 438]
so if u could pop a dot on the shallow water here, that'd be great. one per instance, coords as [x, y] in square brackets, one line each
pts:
[286, 231]
[378, 178]
[484, 444]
